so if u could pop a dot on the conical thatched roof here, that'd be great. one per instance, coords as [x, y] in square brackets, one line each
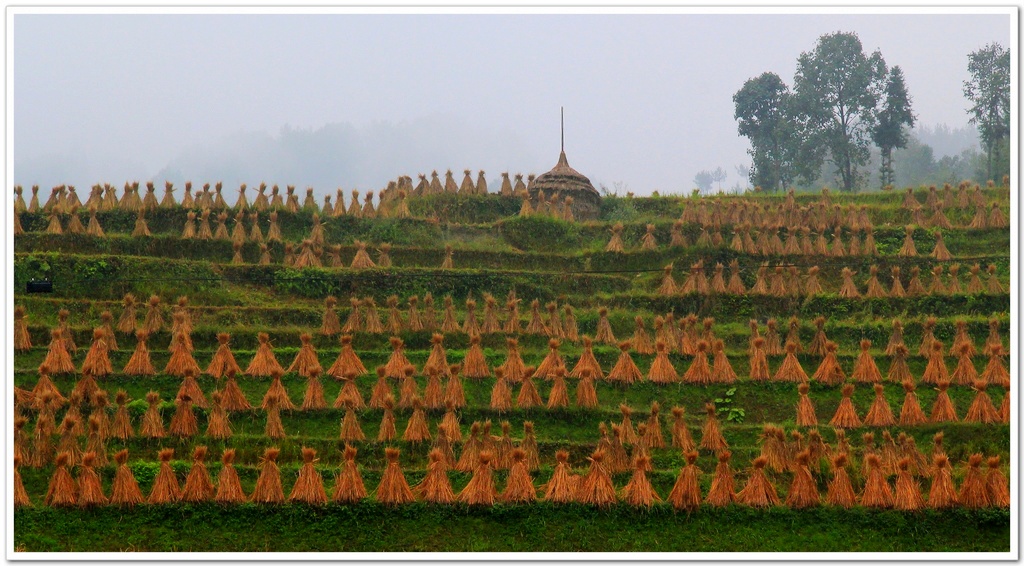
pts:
[565, 181]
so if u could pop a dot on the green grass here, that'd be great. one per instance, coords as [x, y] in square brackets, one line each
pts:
[370, 527]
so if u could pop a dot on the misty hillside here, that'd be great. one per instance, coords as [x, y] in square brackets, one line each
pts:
[343, 155]
[945, 140]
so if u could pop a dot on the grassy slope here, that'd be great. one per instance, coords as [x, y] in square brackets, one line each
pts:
[540, 527]
[287, 302]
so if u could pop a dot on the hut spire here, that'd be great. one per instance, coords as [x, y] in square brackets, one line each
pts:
[563, 181]
[562, 160]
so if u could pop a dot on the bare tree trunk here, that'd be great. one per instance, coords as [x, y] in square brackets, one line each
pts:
[847, 174]
[988, 162]
[887, 174]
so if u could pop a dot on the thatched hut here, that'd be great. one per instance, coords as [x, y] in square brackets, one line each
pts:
[565, 181]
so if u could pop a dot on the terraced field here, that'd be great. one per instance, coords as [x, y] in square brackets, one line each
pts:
[539, 265]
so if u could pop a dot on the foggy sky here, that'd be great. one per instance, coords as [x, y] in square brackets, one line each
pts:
[354, 100]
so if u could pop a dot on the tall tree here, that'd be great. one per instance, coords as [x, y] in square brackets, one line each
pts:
[742, 171]
[763, 114]
[703, 180]
[719, 175]
[836, 89]
[891, 122]
[989, 91]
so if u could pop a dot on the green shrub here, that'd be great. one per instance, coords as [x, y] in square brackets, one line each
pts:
[466, 209]
[540, 233]
[618, 209]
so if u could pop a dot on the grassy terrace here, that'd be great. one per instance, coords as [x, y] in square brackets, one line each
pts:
[543, 259]
[539, 527]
